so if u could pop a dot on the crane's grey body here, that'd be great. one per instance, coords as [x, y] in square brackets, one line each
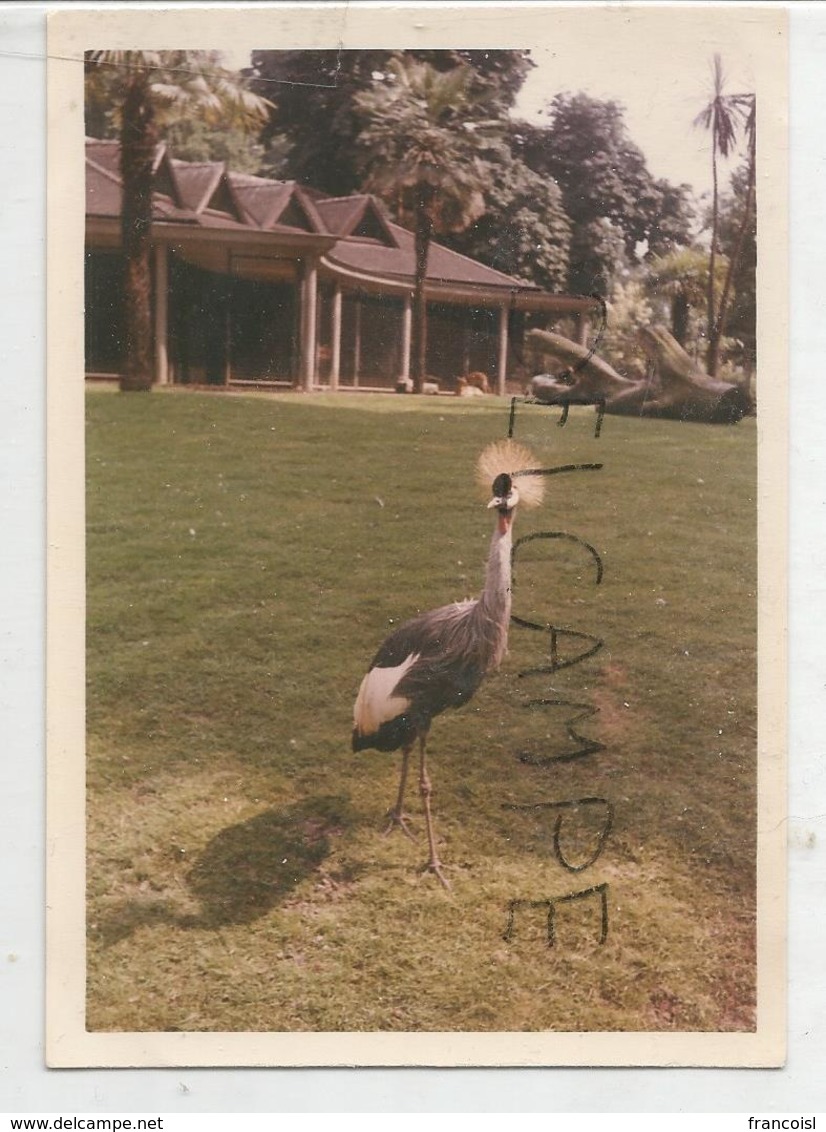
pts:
[441, 658]
[436, 661]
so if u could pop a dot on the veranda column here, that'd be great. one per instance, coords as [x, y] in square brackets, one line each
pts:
[308, 325]
[503, 351]
[357, 343]
[466, 317]
[407, 332]
[228, 330]
[335, 360]
[161, 315]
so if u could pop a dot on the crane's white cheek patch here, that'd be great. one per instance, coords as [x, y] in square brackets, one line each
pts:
[376, 703]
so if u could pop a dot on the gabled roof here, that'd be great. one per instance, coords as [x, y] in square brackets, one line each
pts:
[300, 212]
[398, 262]
[104, 196]
[105, 152]
[165, 179]
[197, 181]
[262, 200]
[359, 217]
[224, 199]
[204, 193]
[207, 186]
[360, 242]
[274, 205]
[103, 158]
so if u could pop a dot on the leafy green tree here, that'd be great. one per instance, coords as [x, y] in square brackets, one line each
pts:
[671, 219]
[149, 90]
[194, 139]
[598, 257]
[189, 137]
[629, 309]
[608, 192]
[724, 116]
[314, 126]
[314, 113]
[524, 231]
[103, 83]
[420, 153]
[316, 117]
[494, 77]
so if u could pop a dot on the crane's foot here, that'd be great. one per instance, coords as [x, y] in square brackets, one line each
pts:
[435, 866]
[396, 820]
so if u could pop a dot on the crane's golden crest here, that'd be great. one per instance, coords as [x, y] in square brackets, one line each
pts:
[512, 458]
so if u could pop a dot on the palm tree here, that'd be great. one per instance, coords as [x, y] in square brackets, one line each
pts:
[682, 278]
[420, 152]
[749, 110]
[722, 116]
[154, 89]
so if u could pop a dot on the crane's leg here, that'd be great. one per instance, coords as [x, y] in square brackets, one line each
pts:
[396, 816]
[434, 864]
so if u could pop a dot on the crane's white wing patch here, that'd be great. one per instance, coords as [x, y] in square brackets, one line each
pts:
[375, 703]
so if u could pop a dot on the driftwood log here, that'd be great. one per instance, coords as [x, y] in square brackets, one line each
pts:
[676, 388]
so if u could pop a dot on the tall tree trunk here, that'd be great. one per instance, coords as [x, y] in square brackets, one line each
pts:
[734, 261]
[679, 316]
[138, 140]
[423, 233]
[713, 338]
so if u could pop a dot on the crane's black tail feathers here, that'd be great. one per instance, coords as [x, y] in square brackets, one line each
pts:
[399, 732]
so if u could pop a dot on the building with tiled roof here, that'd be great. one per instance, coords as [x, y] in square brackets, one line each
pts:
[267, 281]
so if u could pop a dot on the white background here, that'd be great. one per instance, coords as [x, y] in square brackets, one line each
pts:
[25, 1086]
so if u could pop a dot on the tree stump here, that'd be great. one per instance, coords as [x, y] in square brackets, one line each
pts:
[676, 389]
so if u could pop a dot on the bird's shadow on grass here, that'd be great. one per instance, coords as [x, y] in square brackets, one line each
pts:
[243, 872]
[249, 868]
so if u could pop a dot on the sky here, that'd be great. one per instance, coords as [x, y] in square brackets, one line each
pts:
[658, 112]
[662, 90]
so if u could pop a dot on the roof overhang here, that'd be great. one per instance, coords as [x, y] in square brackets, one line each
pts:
[539, 301]
[175, 232]
[467, 294]
[254, 242]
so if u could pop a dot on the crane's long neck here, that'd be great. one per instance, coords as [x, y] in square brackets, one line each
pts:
[494, 606]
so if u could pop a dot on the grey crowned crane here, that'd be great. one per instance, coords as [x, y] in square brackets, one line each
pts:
[438, 659]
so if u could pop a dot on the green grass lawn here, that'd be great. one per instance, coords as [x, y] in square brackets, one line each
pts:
[246, 556]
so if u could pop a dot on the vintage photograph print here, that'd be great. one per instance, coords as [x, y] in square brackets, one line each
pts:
[417, 504]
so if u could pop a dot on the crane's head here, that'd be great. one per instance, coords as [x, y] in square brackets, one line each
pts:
[499, 468]
[505, 495]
